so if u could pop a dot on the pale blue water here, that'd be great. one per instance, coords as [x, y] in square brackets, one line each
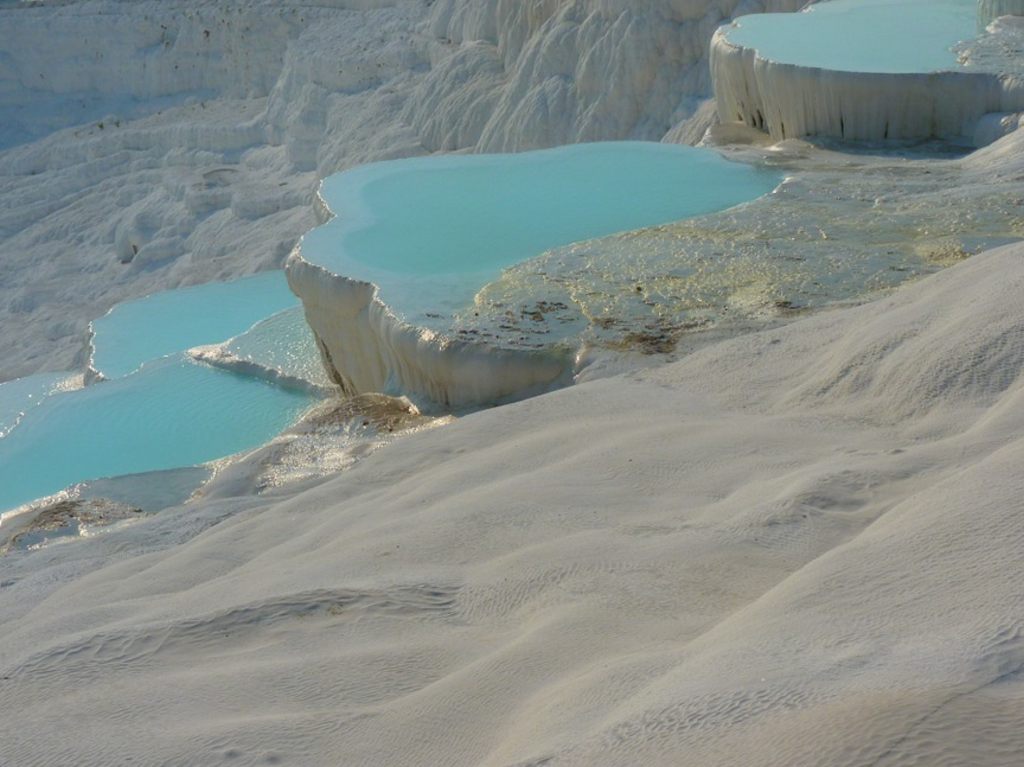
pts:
[431, 231]
[171, 413]
[168, 413]
[898, 36]
[282, 343]
[19, 396]
[172, 321]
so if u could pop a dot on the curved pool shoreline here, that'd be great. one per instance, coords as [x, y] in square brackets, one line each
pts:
[371, 343]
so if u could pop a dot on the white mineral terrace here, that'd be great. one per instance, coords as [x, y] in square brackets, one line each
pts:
[875, 71]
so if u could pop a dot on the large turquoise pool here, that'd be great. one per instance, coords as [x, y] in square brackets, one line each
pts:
[431, 231]
[896, 36]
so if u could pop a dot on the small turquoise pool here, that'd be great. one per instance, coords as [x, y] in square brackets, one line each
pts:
[166, 323]
[169, 414]
[431, 231]
[894, 36]
[159, 409]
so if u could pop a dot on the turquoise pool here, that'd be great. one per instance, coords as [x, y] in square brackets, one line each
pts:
[171, 413]
[430, 232]
[159, 409]
[166, 323]
[895, 36]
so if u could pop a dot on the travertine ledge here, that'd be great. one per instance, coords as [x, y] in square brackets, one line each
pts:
[787, 100]
[366, 348]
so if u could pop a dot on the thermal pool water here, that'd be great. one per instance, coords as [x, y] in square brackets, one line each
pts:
[892, 36]
[166, 323]
[430, 232]
[279, 348]
[159, 409]
[19, 396]
[171, 413]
